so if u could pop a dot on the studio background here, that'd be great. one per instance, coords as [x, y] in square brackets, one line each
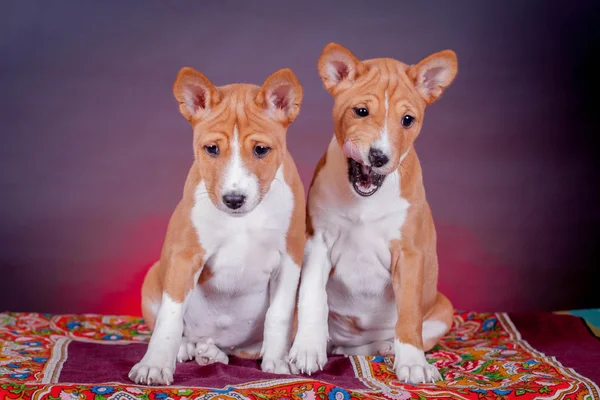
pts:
[94, 154]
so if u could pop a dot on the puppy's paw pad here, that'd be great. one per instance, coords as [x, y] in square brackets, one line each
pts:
[275, 366]
[144, 374]
[209, 353]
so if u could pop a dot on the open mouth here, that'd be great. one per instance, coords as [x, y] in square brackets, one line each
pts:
[363, 179]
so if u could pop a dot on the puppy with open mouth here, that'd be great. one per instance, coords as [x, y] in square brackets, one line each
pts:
[369, 280]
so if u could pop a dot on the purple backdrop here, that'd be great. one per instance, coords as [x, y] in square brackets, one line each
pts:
[93, 152]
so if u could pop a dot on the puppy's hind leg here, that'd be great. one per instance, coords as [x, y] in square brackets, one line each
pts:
[438, 322]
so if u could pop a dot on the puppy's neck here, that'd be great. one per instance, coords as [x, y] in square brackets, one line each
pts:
[411, 176]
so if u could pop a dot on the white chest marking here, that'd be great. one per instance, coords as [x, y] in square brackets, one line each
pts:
[337, 211]
[242, 253]
[357, 232]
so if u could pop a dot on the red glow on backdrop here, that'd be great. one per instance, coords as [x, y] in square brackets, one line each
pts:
[126, 301]
[125, 281]
[117, 291]
[117, 287]
[469, 276]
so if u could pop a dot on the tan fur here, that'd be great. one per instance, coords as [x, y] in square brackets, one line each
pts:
[205, 275]
[441, 310]
[353, 323]
[254, 355]
[296, 236]
[150, 289]
[309, 225]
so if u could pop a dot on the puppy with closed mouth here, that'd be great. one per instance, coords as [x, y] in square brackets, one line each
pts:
[228, 274]
[369, 281]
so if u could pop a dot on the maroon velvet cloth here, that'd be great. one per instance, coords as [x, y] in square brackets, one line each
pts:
[565, 337]
[100, 363]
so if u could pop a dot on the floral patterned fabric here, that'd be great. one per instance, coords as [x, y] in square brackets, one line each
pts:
[482, 357]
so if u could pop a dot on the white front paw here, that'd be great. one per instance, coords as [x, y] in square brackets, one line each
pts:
[146, 374]
[275, 366]
[417, 373]
[309, 353]
[411, 366]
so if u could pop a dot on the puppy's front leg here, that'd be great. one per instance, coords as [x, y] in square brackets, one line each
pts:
[407, 279]
[279, 319]
[158, 364]
[309, 351]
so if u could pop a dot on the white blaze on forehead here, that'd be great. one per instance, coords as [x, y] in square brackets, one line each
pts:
[235, 172]
[383, 143]
[236, 177]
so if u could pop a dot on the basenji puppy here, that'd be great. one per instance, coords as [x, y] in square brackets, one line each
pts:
[227, 278]
[369, 281]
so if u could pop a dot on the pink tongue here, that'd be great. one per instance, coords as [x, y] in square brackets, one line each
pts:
[366, 171]
[351, 151]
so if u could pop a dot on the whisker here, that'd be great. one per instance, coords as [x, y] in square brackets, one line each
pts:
[200, 199]
[405, 169]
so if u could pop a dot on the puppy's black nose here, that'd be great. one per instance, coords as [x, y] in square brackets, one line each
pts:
[234, 200]
[377, 158]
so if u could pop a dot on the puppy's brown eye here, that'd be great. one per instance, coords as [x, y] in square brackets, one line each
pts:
[261, 151]
[407, 121]
[212, 150]
[361, 112]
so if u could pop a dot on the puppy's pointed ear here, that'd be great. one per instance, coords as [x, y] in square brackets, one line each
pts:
[433, 74]
[338, 67]
[195, 94]
[281, 96]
